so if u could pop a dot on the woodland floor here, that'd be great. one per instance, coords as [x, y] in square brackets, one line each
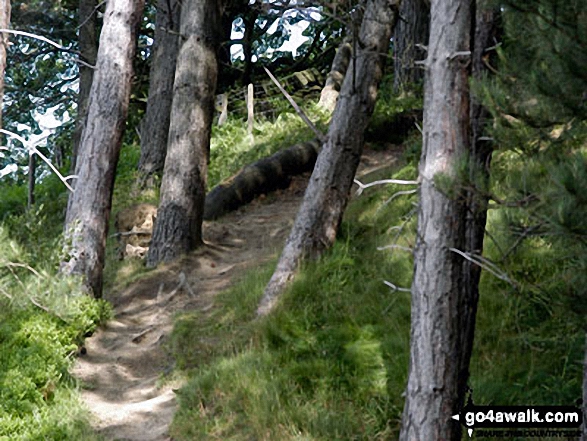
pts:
[125, 360]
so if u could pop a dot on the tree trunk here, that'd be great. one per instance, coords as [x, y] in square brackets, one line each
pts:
[183, 189]
[31, 179]
[89, 208]
[440, 310]
[328, 191]
[88, 46]
[4, 24]
[486, 33]
[340, 64]
[261, 177]
[411, 30]
[155, 125]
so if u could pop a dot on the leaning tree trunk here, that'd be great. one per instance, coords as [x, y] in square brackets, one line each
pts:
[88, 46]
[477, 196]
[183, 189]
[440, 310]
[88, 212]
[328, 191]
[155, 125]
[4, 24]
[412, 30]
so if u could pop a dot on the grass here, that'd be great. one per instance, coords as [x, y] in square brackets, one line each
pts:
[43, 320]
[331, 362]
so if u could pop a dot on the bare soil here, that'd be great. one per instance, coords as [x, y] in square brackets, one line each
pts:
[124, 361]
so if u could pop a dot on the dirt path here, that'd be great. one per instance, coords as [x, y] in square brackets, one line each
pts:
[124, 360]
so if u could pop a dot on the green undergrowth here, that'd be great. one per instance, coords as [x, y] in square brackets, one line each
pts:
[331, 362]
[44, 318]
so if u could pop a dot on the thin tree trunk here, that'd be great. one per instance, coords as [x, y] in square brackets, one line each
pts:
[183, 190]
[486, 32]
[155, 125]
[4, 24]
[340, 64]
[31, 186]
[89, 208]
[440, 310]
[413, 29]
[328, 191]
[88, 46]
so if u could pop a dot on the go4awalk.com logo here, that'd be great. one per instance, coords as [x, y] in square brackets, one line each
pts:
[519, 417]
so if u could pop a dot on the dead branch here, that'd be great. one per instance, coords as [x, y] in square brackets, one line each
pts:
[33, 149]
[297, 108]
[382, 182]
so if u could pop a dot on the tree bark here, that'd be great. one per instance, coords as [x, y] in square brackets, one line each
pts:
[261, 177]
[411, 30]
[340, 64]
[89, 208]
[477, 199]
[155, 125]
[5, 10]
[328, 191]
[183, 190]
[440, 309]
[88, 47]
[31, 180]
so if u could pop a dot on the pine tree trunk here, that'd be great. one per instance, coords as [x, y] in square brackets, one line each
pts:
[411, 30]
[183, 190]
[155, 125]
[440, 310]
[327, 194]
[5, 10]
[88, 46]
[89, 208]
[486, 33]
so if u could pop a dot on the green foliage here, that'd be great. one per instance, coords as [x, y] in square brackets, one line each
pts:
[331, 361]
[232, 148]
[43, 318]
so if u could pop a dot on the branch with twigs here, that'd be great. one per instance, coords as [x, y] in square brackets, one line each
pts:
[297, 108]
[33, 150]
[485, 264]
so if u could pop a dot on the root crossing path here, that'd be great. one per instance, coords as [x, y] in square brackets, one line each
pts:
[124, 361]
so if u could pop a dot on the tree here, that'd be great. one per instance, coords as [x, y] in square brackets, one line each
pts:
[88, 49]
[88, 212]
[440, 309]
[327, 194]
[409, 39]
[4, 24]
[183, 189]
[155, 125]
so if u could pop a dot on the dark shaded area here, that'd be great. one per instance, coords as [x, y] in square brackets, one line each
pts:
[261, 177]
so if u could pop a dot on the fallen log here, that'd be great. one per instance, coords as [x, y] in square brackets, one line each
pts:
[261, 177]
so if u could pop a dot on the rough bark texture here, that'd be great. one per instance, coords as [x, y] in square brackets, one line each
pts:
[486, 32]
[412, 29]
[440, 309]
[183, 189]
[4, 24]
[88, 46]
[340, 64]
[155, 125]
[89, 208]
[328, 191]
[261, 177]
